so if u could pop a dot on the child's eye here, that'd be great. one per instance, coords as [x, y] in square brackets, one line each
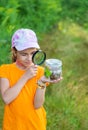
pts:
[23, 54]
[33, 52]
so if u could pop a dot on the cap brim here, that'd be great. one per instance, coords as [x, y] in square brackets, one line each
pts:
[20, 48]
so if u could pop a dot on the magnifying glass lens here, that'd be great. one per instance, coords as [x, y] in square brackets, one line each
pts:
[39, 57]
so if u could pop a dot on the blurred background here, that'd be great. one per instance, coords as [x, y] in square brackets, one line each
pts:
[62, 30]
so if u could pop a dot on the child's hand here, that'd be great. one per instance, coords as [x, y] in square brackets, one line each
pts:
[44, 79]
[31, 71]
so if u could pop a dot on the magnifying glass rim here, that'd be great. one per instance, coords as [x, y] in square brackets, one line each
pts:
[35, 54]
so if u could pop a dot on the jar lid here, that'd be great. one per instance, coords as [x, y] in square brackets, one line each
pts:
[53, 62]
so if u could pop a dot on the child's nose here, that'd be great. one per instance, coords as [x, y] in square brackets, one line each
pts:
[29, 57]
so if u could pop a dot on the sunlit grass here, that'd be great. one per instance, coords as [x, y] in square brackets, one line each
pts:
[67, 102]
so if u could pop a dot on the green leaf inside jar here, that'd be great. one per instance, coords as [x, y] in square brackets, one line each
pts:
[47, 72]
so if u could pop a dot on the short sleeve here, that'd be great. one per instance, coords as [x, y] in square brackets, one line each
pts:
[4, 71]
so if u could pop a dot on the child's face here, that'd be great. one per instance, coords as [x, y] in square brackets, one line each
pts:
[25, 57]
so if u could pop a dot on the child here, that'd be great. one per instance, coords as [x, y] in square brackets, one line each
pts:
[23, 85]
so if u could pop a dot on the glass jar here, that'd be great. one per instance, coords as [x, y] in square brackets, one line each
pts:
[53, 68]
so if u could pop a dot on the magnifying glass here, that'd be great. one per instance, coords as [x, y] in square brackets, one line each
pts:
[39, 57]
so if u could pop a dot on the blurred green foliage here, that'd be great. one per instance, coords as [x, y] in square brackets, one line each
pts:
[39, 15]
[77, 11]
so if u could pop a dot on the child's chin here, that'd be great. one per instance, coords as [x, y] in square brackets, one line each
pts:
[27, 65]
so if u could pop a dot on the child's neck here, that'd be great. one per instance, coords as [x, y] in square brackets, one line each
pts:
[21, 66]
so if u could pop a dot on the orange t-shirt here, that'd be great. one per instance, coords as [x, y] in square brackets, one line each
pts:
[20, 114]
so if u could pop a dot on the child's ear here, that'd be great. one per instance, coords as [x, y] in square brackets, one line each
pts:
[14, 51]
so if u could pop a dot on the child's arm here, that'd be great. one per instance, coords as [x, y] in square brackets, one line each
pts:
[39, 95]
[40, 91]
[10, 93]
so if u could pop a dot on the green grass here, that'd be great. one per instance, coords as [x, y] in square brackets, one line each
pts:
[66, 102]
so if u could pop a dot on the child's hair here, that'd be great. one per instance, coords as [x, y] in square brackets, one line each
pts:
[14, 56]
